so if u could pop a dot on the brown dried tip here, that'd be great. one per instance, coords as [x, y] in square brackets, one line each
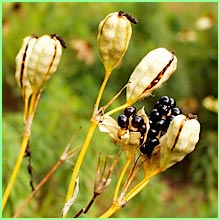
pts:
[62, 42]
[128, 16]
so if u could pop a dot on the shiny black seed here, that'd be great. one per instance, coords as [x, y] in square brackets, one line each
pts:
[165, 100]
[137, 121]
[160, 124]
[170, 118]
[129, 111]
[153, 142]
[175, 111]
[172, 103]
[157, 104]
[155, 115]
[163, 109]
[148, 147]
[152, 133]
[142, 129]
[123, 121]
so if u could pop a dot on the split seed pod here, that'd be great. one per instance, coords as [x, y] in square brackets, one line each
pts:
[113, 38]
[129, 140]
[153, 70]
[180, 140]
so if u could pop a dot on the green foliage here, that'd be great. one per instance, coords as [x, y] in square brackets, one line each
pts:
[67, 104]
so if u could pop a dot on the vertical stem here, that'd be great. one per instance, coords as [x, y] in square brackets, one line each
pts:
[80, 158]
[93, 125]
[107, 74]
[15, 170]
[29, 111]
[121, 177]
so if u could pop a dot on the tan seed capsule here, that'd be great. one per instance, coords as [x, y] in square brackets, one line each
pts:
[113, 38]
[43, 61]
[153, 70]
[180, 140]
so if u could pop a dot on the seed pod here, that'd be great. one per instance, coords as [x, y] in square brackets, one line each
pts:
[180, 140]
[43, 61]
[153, 70]
[113, 38]
[22, 59]
[129, 140]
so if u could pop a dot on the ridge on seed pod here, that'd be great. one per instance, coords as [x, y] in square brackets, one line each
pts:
[114, 34]
[21, 60]
[153, 70]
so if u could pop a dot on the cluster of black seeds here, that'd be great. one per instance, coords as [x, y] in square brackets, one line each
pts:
[160, 117]
[128, 120]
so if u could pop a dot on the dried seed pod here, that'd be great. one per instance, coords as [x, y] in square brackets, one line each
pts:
[22, 59]
[180, 140]
[113, 38]
[128, 139]
[43, 60]
[153, 70]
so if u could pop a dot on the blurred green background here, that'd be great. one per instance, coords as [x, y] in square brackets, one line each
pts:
[189, 189]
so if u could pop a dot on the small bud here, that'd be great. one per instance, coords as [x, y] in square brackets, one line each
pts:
[153, 70]
[180, 140]
[44, 59]
[113, 39]
[21, 64]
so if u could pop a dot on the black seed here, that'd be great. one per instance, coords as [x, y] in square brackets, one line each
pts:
[129, 111]
[157, 104]
[137, 121]
[152, 133]
[160, 124]
[170, 118]
[175, 111]
[123, 121]
[148, 147]
[163, 109]
[172, 103]
[164, 100]
[155, 115]
[153, 142]
[142, 129]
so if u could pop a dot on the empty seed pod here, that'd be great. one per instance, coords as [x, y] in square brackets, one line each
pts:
[180, 140]
[22, 59]
[113, 38]
[43, 60]
[153, 70]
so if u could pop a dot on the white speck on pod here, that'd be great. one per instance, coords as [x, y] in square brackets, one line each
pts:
[153, 70]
